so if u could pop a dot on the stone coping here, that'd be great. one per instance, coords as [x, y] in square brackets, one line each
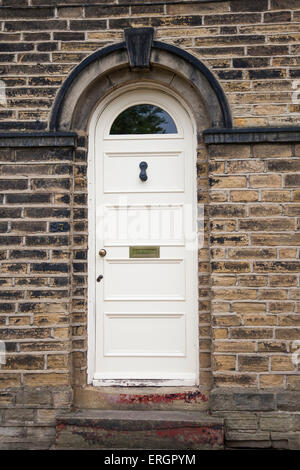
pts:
[251, 134]
[38, 139]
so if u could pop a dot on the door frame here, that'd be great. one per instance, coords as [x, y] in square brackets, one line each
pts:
[91, 305]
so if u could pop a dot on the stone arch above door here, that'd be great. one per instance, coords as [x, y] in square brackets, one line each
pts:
[109, 68]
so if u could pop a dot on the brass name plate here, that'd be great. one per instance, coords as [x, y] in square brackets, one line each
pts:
[144, 252]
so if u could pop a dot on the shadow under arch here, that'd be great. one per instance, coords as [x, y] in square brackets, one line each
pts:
[92, 79]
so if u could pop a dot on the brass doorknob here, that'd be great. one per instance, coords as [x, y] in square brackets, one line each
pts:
[102, 252]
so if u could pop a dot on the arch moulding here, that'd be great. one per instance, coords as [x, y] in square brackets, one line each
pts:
[108, 69]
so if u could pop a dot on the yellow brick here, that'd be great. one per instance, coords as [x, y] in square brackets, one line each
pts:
[57, 361]
[269, 110]
[293, 382]
[235, 294]
[226, 320]
[252, 280]
[224, 281]
[245, 166]
[217, 253]
[51, 319]
[19, 321]
[61, 332]
[265, 210]
[288, 253]
[186, 8]
[273, 294]
[283, 280]
[220, 333]
[46, 379]
[267, 150]
[230, 266]
[251, 253]
[243, 196]
[228, 182]
[249, 121]
[220, 307]
[249, 307]
[9, 380]
[222, 363]
[105, 35]
[265, 181]
[218, 196]
[253, 363]
[229, 151]
[282, 363]
[223, 225]
[235, 380]
[259, 320]
[296, 196]
[234, 346]
[182, 32]
[271, 381]
[275, 196]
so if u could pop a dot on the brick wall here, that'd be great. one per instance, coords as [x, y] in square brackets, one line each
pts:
[35, 264]
[254, 223]
[35, 292]
[251, 47]
[254, 233]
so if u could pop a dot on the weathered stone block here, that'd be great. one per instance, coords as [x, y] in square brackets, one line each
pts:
[288, 401]
[33, 397]
[252, 401]
[138, 430]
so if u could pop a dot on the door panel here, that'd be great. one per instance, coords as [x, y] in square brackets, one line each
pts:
[146, 303]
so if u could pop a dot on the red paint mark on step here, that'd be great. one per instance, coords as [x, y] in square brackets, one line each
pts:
[60, 426]
[187, 397]
[212, 435]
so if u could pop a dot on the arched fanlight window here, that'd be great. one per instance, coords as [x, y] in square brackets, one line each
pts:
[143, 119]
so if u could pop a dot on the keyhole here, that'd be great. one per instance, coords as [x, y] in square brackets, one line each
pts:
[143, 174]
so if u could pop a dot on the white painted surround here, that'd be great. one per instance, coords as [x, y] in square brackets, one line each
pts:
[142, 333]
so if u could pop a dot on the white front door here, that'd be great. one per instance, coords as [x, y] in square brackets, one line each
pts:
[145, 324]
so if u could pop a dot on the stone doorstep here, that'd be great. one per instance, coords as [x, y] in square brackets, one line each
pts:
[122, 429]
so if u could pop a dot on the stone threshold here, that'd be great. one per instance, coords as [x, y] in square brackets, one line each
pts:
[141, 398]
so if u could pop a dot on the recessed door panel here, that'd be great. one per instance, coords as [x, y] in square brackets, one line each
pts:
[122, 170]
[157, 334]
[159, 224]
[144, 279]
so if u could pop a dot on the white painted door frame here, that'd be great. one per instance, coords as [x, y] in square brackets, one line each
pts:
[186, 125]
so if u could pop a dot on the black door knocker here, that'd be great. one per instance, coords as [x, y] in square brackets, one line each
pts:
[143, 174]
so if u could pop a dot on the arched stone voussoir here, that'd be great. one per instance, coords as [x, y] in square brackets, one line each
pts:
[108, 69]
